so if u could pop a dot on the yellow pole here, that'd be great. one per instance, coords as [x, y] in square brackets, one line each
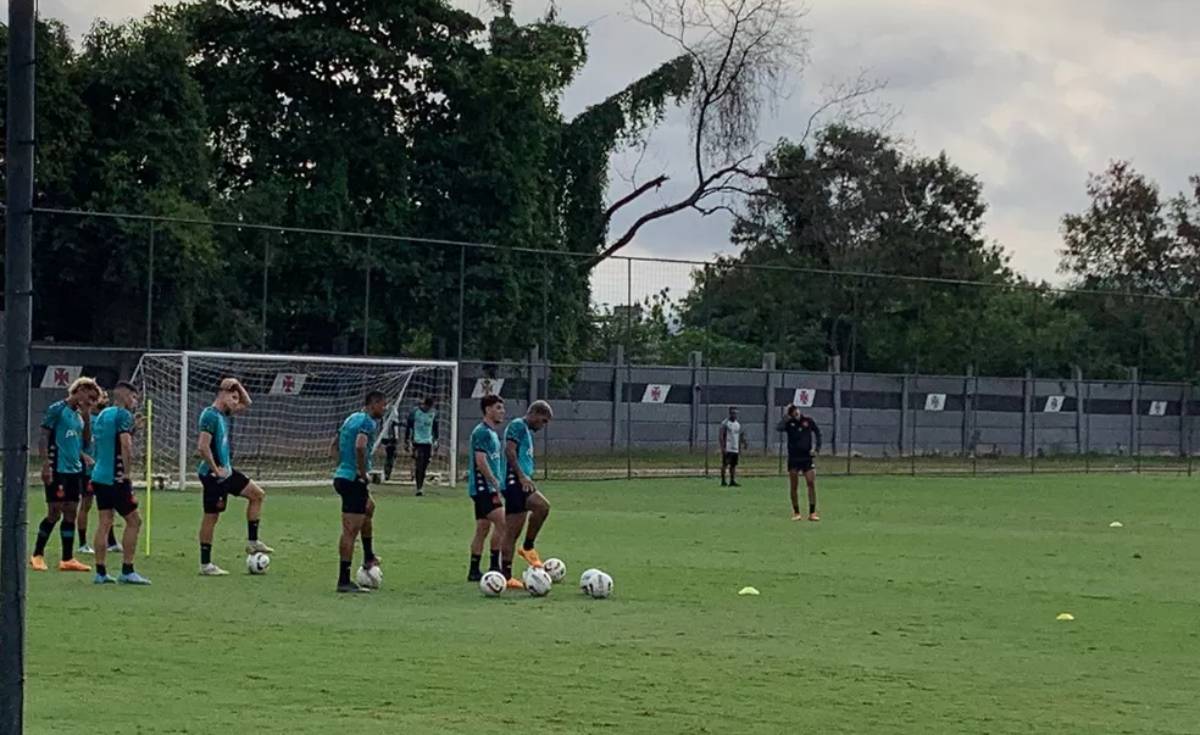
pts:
[149, 468]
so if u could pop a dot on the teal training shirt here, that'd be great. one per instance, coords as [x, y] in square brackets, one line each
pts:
[217, 425]
[106, 432]
[520, 434]
[484, 439]
[67, 442]
[355, 425]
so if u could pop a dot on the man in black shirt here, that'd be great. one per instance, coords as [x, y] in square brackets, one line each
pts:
[804, 440]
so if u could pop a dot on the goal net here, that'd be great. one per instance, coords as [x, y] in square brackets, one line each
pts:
[299, 403]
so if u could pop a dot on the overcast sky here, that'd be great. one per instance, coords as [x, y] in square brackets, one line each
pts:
[1029, 95]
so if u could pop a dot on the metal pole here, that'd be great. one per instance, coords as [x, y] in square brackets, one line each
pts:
[629, 370]
[150, 291]
[367, 306]
[462, 288]
[265, 285]
[18, 300]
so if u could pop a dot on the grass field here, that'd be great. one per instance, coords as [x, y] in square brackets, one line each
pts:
[917, 606]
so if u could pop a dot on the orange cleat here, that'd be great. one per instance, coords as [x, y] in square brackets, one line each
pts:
[814, 517]
[37, 563]
[73, 565]
[531, 557]
[515, 584]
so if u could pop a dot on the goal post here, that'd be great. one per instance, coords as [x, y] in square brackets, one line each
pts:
[298, 404]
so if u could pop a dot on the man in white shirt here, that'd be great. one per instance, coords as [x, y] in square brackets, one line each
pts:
[732, 441]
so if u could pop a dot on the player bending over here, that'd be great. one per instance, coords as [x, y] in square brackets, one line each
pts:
[66, 427]
[351, 480]
[421, 433]
[89, 494]
[484, 469]
[801, 431]
[522, 499]
[218, 477]
[114, 490]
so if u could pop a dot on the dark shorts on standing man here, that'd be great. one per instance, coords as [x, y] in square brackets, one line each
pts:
[65, 487]
[217, 491]
[801, 463]
[485, 504]
[118, 497]
[422, 452]
[355, 495]
[731, 459]
[515, 497]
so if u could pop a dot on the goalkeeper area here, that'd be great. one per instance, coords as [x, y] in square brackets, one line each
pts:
[917, 605]
[299, 402]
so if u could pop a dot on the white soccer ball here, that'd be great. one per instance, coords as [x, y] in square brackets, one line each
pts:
[537, 582]
[369, 577]
[585, 580]
[257, 563]
[492, 584]
[556, 569]
[600, 586]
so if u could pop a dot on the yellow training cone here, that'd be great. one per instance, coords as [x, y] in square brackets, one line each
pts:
[1065, 617]
[747, 591]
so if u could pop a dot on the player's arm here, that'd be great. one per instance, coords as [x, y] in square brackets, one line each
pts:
[408, 429]
[435, 429]
[243, 395]
[361, 448]
[204, 449]
[721, 437]
[816, 432]
[127, 452]
[87, 428]
[88, 460]
[333, 446]
[510, 452]
[45, 441]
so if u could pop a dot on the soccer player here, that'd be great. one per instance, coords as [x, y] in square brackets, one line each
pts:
[801, 431]
[66, 427]
[421, 433]
[485, 467]
[218, 477]
[114, 490]
[89, 496]
[351, 480]
[522, 499]
[732, 441]
[391, 438]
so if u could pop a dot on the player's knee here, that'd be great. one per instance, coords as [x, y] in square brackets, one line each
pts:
[133, 520]
[370, 509]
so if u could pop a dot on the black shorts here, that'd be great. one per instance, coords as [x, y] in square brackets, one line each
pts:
[422, 452]
[216, 490]
[118, 497]
[731, 459]
[355, 495]
[485, 504]
[65, 487]
[515, 497]
[800, 464]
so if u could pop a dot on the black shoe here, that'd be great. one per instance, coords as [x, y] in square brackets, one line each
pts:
[722, 483]
[352, 588]
[419, 493]
[474, 576]
[734, 484]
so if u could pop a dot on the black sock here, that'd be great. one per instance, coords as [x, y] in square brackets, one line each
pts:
[528, 545]
[112, 536]
[344, 571]
[507, 570]
[66, 532]
[101, 570]
[795, 509]
[45, 528]
[494, 565]
[812, 507]
[475, 559]
[252, 530]
[126, 569]
[206, 553]
[368, 551]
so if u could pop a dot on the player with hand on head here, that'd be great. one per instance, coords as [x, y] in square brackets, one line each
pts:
[732, 440]
[522, 499]
[804, 441]
[351, 480]
[420, 434]
[485, 468]
[66, 428]
[218, 477]
[110, 480]
[89, 495]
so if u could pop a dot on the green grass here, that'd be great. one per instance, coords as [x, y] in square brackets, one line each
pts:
[917, 606]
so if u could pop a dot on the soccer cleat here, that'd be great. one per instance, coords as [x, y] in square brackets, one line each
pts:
[531, 557]
[734, 484]
[212, 570]
[116, 548]
[351, 588]
[814, 516]
[514, 584]
[73, 565]
[722, 483]
[103, 579]
[474, 575]
[797, 516]
[375, 562]
[258, 547]
[85, 549]
[37, 563]
[420, 494]
[133, 578]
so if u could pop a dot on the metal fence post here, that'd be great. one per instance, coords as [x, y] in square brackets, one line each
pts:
[150, 290]
[367, 303]
[265, 285]
[629, 369]
[462, 290]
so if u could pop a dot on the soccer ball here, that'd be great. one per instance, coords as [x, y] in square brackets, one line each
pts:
[257, 563]
[537, 582]
[585, 580]
[492, 584]
[599, 586]
[556, 569]
[372, 577]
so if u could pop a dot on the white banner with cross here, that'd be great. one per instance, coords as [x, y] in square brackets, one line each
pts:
[935, 402]
[288, 384]
[487, 387]
[1158, 408]
[61, 376]
[656, 393]
[1054, 404]
[804, 397]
